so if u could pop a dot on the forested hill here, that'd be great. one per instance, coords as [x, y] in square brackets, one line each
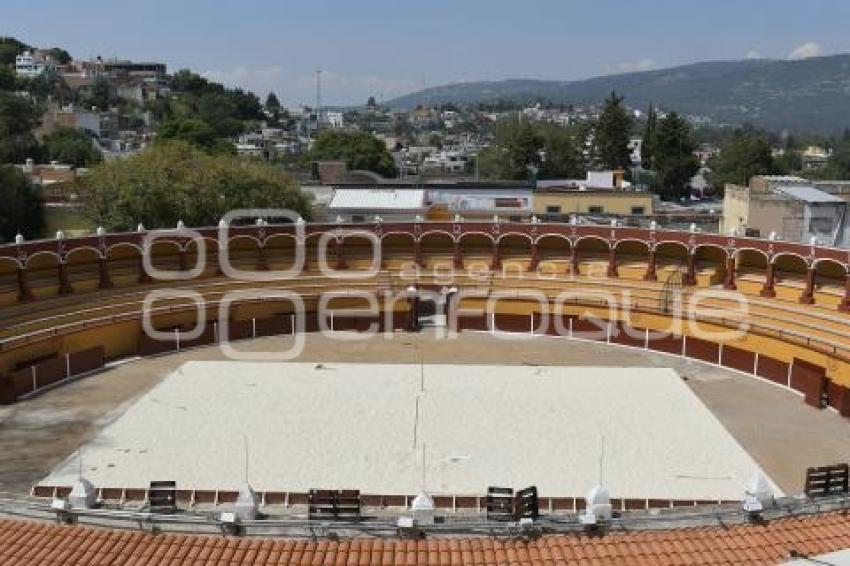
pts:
[811, 95]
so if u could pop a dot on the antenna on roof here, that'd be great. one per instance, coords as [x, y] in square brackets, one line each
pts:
[318, 99]
[245, 444]
[423, 467]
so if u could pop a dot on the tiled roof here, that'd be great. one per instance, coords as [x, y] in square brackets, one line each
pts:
[38, 543]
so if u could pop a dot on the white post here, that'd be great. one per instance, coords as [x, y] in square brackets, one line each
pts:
[292, 324]
[253, 327]
[531, 316]
[571, 326]
[67, 365]
[492, 323]
[215, 331]
[790, 366]
[756, 364]
[177, 338]
[684, 345]
[608, 332]
[332, 321]
[34, 378]
[646, 339]
[720, 355]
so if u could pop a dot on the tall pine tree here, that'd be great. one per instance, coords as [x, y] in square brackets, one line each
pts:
[673, 162]
[648, 143]
[612, 135]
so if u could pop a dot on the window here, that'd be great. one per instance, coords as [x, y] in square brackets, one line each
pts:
[638, 210]
[595, 209]
[553, 209]
[821, 225]
[358, 218]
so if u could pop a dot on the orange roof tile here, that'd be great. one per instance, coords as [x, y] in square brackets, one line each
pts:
[31, 543]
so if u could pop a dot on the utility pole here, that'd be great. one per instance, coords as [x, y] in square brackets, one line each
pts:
[318, 99]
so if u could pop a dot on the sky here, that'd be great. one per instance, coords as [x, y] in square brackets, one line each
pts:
[385, 48]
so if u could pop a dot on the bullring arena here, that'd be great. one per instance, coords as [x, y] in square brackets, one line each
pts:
[425, 362]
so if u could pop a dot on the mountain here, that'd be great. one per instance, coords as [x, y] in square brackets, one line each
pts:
[809, 95]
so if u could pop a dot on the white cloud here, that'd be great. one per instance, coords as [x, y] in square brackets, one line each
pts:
[806, 50]
[753, 54]
[631, 66]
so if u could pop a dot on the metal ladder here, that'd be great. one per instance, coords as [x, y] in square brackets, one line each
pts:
[671, 292]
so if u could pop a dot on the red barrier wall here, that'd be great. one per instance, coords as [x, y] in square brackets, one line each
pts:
[668, 344]
[505, 322]
[86, 360]
[704, 350]
[149, 346]
[808, 379]
[472, 322]
[273, 326]
[839, 398]
[22, 382]
[737, 358]
[628, 336]
[206, 338]
[774, 370]
[50, 371]
[588, 329]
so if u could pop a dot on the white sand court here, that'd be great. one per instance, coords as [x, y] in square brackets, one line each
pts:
[364, 426]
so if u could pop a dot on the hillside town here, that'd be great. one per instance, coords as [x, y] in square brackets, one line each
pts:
[539, 161]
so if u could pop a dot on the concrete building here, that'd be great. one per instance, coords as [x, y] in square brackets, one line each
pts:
[601, 193]
[790, 207]
[390, 204]
[334, 119]
[30, 64]
[443, 200]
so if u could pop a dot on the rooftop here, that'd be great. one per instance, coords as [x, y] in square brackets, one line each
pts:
[378, 199]
[35, 542]
[808, 194]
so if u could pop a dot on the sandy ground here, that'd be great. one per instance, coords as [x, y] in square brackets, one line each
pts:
[364, 426]
[781, 433]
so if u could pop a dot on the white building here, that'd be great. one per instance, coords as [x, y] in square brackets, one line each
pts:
[30, 65]
[334, 119]
[390, 204]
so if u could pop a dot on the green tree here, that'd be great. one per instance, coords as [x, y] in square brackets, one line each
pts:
[673, 162]
[18, 116]
[272, 106]
[70, 145]
[9, 49]
[190, 130]
[21, 208]
[177, 181]
[99, 94]
[59, 55]
[435, 140]
[7, 78]
[562, 157]
[514, 153]
[360, 150]
[838, 164]
[646, 148]
[611, 135]
[748, 153]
